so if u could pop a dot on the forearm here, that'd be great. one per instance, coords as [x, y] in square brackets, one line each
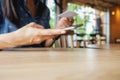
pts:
[10, 40]
[7, 41]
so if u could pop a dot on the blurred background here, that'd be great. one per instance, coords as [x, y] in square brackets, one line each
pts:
[100, 19]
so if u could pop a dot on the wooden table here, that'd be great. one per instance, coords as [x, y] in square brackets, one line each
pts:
[60, 64]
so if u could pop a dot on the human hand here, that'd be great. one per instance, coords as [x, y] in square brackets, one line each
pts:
[34, 34]
[64, 22]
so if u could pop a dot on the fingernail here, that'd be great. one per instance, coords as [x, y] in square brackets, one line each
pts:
[63, 32]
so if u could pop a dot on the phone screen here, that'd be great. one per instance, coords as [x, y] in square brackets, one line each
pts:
[73, 27]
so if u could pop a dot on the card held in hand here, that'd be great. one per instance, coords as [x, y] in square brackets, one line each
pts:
[68, 14]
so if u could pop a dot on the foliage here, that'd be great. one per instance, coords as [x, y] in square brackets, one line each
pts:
[85, 16]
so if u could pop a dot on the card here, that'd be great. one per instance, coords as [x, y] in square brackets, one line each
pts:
[68, 14]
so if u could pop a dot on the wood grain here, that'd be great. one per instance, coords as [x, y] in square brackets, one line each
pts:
[60, 64]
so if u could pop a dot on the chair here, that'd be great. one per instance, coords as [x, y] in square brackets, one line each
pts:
[65, 41]
[101, 39]
[80, 40]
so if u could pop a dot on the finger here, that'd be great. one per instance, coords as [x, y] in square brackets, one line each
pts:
[56, 31]
[63, 23]
[67, 21]
[51, 32]
[70, 21]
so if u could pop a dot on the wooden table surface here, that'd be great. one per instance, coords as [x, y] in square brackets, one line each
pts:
[60, 64]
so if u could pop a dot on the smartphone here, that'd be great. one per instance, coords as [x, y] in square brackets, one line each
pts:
[73, 27]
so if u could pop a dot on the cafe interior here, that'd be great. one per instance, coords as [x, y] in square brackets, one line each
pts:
[89, 52]
[100, 19]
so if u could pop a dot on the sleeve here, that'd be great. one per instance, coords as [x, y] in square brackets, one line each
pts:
[1, 14]
[44, 19]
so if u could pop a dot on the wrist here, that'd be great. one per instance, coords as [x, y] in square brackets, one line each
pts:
[12, 39]
[7, 41]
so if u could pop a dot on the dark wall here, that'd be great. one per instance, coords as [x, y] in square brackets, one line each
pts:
[114, 24]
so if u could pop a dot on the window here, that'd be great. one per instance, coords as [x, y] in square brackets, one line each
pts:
[51, 5]
[86, 16]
